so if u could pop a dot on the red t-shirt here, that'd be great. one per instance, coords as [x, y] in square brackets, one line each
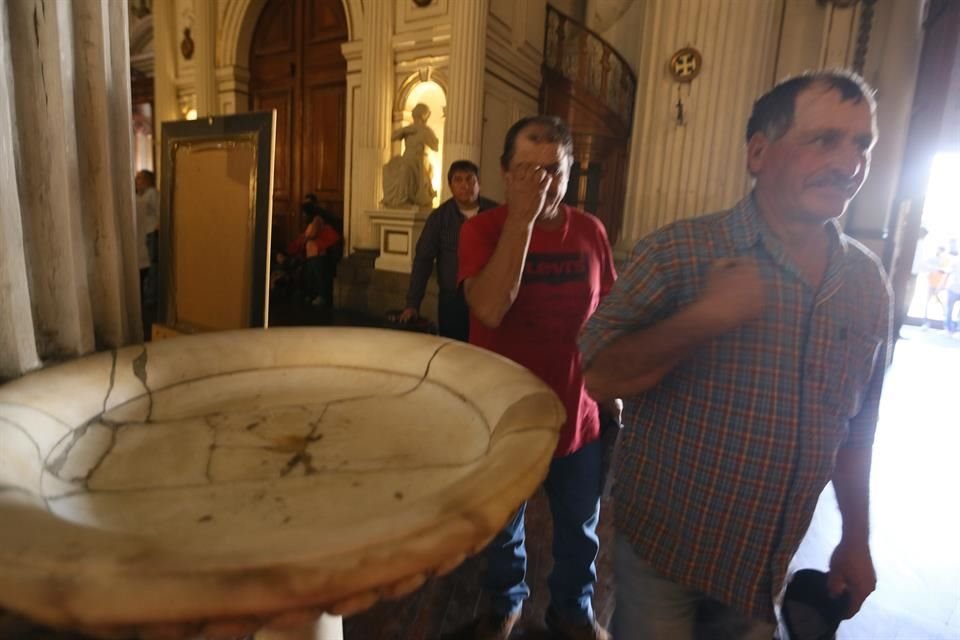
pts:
[567, 271]
[327, 237]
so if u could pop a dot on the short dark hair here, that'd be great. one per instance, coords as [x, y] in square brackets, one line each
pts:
[554, 130]
[773, 112]
[464, 166]
[149, 175]
[311, 208]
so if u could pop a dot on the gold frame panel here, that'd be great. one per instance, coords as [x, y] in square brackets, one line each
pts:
[215, 222]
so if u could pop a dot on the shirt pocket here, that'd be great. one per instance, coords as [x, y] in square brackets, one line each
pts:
[851, 367]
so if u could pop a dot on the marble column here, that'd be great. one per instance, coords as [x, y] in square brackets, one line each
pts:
[468, 50]
[373, 117]
[104, 149]
[233, 85]
[205, 64]
[18, 349]
[678, 170]
[67, 215]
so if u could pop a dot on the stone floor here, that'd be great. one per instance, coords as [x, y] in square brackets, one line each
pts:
[915, 512]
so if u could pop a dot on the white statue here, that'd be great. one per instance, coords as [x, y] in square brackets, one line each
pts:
[408, 179]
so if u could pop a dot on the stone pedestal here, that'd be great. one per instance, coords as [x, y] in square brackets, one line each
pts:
[366, 500]
[326, 628]
[398, 230]
[464, 124]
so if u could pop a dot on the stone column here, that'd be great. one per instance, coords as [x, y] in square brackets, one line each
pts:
[104, 148]
[205, 64]
[233, 85]
[67, 215]
[373, 117]
[468, 51]
[18, 348]
[678, 170]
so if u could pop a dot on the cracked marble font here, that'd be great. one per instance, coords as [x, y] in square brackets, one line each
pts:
[254, 473]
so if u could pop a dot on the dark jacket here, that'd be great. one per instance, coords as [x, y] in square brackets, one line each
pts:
[439, 242]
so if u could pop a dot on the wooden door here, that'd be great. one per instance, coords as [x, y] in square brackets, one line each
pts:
[296, 67]
[929, 120]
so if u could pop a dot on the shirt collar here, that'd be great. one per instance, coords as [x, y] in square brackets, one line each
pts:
[745, 225]
[746, 228]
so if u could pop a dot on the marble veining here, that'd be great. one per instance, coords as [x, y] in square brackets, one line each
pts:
[255, 473]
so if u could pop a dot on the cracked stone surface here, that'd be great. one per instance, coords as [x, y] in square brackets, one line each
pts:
[245, 474]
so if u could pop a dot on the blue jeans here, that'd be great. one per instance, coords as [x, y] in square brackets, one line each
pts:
[953, 298]
[573, 486]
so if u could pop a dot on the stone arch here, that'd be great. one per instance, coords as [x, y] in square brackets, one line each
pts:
[412, 80]
[240, 19]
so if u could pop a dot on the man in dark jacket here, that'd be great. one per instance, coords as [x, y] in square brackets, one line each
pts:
[438, 243]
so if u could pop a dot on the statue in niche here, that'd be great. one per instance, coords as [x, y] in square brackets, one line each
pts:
[408, 179]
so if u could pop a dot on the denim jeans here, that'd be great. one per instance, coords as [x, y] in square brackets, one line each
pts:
[651, 606]
[573, 487]
[953, 298]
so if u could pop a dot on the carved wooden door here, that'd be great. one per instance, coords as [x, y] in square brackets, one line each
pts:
[296, 67]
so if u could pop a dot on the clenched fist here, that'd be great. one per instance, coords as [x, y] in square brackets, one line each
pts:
[734, 293]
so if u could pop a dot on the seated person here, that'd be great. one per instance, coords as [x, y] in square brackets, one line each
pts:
[309, 263]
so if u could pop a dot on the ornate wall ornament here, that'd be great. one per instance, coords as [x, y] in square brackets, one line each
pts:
[685, 64]
[186, 45]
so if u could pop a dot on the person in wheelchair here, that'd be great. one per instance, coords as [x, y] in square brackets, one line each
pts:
[307, 268]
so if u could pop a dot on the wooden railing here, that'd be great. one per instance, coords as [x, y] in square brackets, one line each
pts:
[591, 86]
[583, 57]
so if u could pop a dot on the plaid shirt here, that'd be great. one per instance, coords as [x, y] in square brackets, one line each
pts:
[720, 465]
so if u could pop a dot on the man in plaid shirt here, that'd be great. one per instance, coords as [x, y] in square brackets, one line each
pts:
[750, 346]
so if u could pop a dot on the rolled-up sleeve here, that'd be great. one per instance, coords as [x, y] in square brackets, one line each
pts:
[863, 426]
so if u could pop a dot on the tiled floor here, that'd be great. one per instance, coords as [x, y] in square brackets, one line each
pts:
[915, 503]
[916, 526]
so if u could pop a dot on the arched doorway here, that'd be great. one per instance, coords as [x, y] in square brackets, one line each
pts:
[297, 68]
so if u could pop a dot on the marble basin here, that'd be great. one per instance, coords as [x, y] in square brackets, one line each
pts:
[256, 475]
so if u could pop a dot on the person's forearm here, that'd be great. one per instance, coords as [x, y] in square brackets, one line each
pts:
[491, 293]
[638, 360]
[851, 482]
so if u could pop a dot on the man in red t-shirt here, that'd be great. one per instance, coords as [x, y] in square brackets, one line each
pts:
[533, 271]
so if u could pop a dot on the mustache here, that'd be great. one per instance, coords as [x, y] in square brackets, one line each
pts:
[836, 180]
